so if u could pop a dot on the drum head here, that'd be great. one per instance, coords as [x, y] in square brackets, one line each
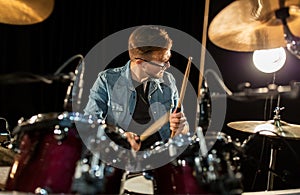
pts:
[139, 185]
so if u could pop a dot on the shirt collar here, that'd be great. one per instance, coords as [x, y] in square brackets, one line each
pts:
[126, 75]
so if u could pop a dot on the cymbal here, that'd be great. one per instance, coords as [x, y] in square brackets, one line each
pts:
[248, 25]
[267, 127]
[24, 12]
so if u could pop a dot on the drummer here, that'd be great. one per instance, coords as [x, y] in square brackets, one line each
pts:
[140, 92]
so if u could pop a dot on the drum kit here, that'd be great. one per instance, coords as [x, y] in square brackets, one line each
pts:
[47, 153]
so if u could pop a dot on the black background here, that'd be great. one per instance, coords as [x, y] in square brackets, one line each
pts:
[76, 26]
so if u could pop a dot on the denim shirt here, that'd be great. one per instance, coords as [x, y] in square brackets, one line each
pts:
[113, 98]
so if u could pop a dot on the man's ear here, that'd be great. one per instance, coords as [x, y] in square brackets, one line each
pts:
[138, 61]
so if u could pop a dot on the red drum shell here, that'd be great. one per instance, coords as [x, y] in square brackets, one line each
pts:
[174, 178]
[179, 176]
[45, 162]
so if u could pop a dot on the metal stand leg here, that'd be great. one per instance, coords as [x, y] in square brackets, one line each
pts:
[271, 168]
[124, 177]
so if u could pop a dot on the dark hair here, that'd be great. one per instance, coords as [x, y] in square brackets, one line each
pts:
[146, 39]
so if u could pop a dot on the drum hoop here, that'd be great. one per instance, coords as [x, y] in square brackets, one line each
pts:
[46, 120]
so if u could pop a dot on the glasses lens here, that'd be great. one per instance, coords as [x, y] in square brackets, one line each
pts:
[163, 65]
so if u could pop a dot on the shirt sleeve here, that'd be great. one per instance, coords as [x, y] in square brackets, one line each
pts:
[98, 98]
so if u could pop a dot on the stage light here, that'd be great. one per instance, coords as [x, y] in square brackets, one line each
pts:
[269, 60]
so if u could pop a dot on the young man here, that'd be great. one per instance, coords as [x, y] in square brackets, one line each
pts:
[139, 93]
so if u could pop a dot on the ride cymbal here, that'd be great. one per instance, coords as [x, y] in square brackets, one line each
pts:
[248, 25]
[285, 129]
[24, 12]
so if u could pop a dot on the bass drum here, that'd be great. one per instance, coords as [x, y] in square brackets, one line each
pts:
[48, 147]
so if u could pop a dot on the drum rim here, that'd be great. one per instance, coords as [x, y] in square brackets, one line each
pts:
[39, 118]
[54, 118]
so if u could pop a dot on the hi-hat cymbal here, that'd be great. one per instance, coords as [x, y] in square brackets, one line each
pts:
[267, 127]
[248, 25]
[23, 12]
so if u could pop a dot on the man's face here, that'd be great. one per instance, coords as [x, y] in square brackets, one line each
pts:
[156, 67]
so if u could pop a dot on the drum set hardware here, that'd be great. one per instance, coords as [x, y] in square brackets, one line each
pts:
[272, 129]
[26, 77]
[219, 170]
[184, 169]
[272, 90]
[92, 175]
[246, 92]
[48, 156]
[4, 132]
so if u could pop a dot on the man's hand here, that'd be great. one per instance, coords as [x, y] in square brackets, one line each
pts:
[178, 123]
[134, 140]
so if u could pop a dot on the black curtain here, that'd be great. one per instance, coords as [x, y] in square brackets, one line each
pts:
[74, 27]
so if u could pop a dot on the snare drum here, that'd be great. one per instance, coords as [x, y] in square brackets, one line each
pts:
[48, 148]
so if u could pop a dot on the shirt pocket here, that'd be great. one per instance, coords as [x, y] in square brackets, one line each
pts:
[115, 107]
[117, 110]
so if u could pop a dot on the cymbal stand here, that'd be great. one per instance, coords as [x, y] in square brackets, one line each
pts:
[274, 149]
[271, 175]
[292, 41]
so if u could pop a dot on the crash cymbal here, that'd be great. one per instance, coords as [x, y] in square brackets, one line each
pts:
[267, 127]
[248, 25]
[23, 12]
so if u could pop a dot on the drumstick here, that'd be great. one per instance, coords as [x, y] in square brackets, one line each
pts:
[165, 118]
[183, 88]
[155, 126]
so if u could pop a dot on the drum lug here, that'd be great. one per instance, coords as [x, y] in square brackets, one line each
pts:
[41, 191]
[60, 134]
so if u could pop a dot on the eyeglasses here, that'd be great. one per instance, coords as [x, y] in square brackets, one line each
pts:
[166, 64]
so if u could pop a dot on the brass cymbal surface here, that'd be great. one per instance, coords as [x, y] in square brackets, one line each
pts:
[269, 128]
[248, 25]
[24, 12]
